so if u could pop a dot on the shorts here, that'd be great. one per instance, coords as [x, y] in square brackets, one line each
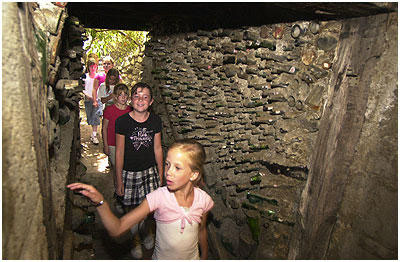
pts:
[93, 114]
[111, 157]
[138, 184]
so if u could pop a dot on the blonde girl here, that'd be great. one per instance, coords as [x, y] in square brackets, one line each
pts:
[180, 208]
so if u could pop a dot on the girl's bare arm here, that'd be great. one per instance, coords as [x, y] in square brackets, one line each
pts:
[115, 226]
[106, 98]
[119, 162]
[104, 133]
[94, 92]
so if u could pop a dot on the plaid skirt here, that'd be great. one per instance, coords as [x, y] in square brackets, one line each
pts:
[138, 184]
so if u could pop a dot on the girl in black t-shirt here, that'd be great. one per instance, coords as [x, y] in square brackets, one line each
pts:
[138, 156]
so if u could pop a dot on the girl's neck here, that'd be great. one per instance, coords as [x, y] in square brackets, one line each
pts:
[92, 74]
[185, 196]
[121, 106]
[139, 116]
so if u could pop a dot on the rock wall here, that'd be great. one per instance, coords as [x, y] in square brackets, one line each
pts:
[254, 97]
[24, 233]
[41, 68]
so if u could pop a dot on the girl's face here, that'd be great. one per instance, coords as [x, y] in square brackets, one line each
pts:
[177, 170]
[107, 65]
[93, 68]
[113, 80]
[141, 100]
[122, 98]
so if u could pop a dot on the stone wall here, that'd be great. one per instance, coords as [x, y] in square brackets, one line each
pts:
[41, 68]
[254, 97]
[24, 234]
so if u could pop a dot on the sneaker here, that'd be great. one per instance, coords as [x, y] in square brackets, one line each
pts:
[137, 252]
[148, 242]
[94, 140]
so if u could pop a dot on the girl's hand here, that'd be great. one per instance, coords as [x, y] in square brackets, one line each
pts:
[120, 189]
[88, 191]
[95, 104]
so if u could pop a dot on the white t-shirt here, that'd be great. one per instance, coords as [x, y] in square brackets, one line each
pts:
[177, 235]
[171, 243]
[88, 85]
[103, 92]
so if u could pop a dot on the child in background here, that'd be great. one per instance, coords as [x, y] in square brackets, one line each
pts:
[111, 113]
[92, 111]
[106, 89]
[181, 208]
[138, 158]
[108, 63]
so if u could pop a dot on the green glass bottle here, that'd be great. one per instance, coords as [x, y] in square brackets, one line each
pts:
[254, 198]
[255, 179]
[254, 224]
[241, 188]
[89, 218]
[270, 212]
[268, 44]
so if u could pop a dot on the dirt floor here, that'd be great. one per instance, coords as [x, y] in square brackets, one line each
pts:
[99, 175]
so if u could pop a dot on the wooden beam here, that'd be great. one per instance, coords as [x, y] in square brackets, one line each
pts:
[361, 44]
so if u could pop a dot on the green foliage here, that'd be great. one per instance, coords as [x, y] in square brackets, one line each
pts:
[119, 44]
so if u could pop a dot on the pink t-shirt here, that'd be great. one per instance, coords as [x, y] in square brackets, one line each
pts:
[101, 77]
[167, 209]
[112, 113]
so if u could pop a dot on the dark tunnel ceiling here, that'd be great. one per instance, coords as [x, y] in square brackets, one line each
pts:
[211, 15]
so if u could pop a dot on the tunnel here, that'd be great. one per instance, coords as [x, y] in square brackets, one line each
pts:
[295, 104]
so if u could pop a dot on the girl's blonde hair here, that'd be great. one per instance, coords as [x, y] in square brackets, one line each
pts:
[94, 56]
[108, 58]
[90, 61]
[196, 154]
